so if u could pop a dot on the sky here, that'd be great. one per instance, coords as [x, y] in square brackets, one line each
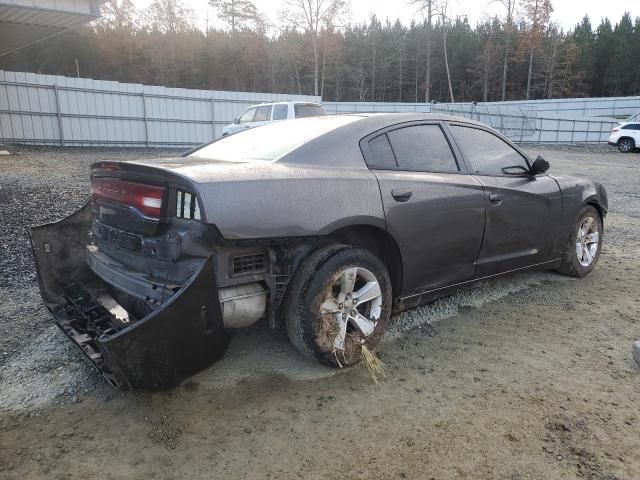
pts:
[567, 13]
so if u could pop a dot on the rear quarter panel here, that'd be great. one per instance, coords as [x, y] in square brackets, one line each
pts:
[272, 200]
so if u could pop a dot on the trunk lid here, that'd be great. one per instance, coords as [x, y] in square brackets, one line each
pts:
[138, 198]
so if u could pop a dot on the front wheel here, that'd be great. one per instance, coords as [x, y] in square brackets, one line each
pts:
[584, 244]
[338, 300]
[625, 145]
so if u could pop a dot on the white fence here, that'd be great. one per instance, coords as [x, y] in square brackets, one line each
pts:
[54, 110]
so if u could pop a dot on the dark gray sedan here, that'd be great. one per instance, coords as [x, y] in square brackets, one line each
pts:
[326, 225]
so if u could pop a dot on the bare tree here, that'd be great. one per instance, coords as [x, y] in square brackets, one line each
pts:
[509, 6]
[442, 11]
[551, 60]
[537, 14]
[117, 15]
[169, 16]
[313, 16]
[486, 65]
[426, 6]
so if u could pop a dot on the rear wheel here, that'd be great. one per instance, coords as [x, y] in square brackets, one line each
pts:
[338, 300]
[625, 145]
[584, 244]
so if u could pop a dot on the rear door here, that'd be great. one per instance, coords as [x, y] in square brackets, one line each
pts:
[262, 116]
[523, 211]
[280, 111]
[433, 209]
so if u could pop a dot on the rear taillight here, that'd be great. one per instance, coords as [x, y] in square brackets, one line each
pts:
[147, 199]
[615, 130]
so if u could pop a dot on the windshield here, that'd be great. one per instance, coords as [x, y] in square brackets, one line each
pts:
[271, 141]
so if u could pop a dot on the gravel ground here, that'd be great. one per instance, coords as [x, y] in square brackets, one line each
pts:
[529, 377]
[41, 185]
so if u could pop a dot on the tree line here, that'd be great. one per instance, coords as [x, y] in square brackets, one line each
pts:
[517, 54]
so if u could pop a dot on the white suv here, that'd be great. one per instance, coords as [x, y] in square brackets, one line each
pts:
[271, 112]
[626, 136]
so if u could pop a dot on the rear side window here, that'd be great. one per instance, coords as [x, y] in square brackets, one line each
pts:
[280, 111]
[487, 153]
[380, 153]
[308, 110]
[262, 113]
[632, 126]
[422, 148]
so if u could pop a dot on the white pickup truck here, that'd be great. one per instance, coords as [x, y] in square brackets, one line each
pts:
[270, 112]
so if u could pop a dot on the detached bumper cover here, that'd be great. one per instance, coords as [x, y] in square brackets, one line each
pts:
[156, 352]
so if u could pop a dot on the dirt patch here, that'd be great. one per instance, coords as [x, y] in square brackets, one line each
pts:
[529, 377]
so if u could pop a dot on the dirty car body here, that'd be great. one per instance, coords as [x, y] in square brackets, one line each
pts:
[168, 255]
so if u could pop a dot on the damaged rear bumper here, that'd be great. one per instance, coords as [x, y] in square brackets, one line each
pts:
[155, 352]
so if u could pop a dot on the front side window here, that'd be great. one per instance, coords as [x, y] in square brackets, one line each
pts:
[280, 111]
[487, 153]
[248, 115]
[262, 113]
[422, 148]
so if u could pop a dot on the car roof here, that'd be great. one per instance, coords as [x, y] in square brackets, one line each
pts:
[295, 102]
[388, 119]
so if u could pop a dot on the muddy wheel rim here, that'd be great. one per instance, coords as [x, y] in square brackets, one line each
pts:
[587, 241]
[354, 299]
[625, 145]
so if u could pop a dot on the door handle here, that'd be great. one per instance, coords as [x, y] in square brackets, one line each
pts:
[401, 195]
[495, 198]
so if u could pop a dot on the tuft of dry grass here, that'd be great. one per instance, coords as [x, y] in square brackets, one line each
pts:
[374, 366]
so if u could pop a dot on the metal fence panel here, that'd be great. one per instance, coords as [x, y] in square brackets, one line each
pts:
[581, 120]
[539, 121]
[55, 110]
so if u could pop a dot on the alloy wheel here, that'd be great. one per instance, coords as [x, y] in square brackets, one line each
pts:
[354, 299]
[587, 241]
[625, 145]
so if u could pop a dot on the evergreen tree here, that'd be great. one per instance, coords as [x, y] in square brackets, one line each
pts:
[237, 14]
[382, 61]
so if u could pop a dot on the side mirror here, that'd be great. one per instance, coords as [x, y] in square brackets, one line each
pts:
[540, 165]
[236, 120]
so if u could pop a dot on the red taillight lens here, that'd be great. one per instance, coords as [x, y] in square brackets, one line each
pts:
[147, 199]
[615, 130]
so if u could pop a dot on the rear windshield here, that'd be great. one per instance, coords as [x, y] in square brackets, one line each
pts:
[271, 141]
[308, 110]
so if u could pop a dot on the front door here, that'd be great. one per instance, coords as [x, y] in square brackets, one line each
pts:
[435, 212]
[522, 210]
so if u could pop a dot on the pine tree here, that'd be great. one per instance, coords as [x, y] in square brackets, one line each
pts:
[237, 14]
